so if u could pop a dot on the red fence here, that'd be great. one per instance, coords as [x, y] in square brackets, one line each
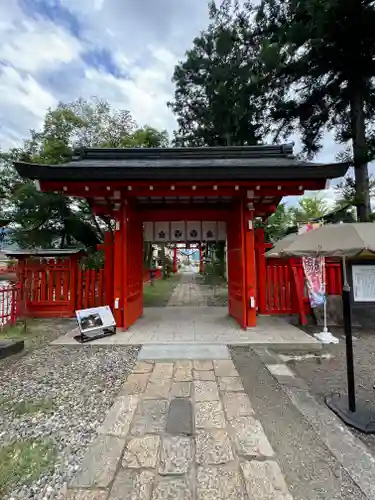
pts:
[147, 275]
[286, 291]
[55, 288]
[8, 304]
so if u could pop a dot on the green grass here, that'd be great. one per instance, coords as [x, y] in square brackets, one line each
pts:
[158, 294]
[13, 332]
[26, 407]
[22, 462]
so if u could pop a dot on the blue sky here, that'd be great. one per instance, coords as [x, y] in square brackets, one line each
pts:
[120, 50]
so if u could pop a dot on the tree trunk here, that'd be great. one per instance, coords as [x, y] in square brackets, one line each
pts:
[358, 130]
[163, 260]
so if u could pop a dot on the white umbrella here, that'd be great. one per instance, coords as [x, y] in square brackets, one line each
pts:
[333, 240]
[341, 240]
[281, 249]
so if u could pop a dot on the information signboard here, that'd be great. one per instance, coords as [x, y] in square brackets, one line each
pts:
[94, 323]
[363, 283]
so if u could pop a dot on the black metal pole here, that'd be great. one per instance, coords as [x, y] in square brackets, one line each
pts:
[347, 317]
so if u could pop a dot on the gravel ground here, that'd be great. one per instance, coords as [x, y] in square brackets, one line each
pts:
[328, 375]
[39, 332]
[310, 469]
[75, 387]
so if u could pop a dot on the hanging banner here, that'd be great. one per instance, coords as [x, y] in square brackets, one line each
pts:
[314, 269]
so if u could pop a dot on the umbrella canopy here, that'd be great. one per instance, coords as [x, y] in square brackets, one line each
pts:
[281, 245]
[333, 240]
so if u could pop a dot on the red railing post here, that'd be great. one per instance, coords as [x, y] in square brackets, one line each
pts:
[261, 268]
[175, 259]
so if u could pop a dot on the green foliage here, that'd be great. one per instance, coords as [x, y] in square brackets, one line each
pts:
[283, 67]
[278, 223]
[27, 407]
[22, 462]
[94, 260]
[325, 60]
[218, 99]
[53, 220]
[159, 293]
[146, 137]
[310, 207]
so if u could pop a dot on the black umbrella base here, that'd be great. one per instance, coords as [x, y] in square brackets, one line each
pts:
[362, 419]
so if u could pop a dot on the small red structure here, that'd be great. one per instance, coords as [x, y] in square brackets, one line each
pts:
[187, 194]
[53, 283]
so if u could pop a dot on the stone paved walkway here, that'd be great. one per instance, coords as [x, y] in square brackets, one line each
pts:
[187, 293]
[182, 430]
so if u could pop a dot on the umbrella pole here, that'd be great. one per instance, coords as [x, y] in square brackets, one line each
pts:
[325, 336]
[358, 416]
[347, 318]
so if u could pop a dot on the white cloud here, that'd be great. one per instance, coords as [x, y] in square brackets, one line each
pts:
[38, 45]
[46, 58]
[23, 103]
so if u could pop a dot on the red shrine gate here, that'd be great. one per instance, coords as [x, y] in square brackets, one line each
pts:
[235, 186]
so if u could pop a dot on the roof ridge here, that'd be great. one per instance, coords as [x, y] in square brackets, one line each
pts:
[259, 151]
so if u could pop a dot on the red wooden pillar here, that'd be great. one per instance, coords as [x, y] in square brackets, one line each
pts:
[175, 259]
[118, 268]
[249, 266]
[201, 263]
[261, 271]
[108, 267]
[73, 292]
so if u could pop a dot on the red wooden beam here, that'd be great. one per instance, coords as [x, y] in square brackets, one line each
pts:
[154, 215]
[113, 185]
[151, 189]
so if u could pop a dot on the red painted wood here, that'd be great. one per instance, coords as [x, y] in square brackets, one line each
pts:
[249, 264]
[79, 291]
[118, 276]
[261, 273]
[142, 188]
[298, 291]
[182, 213]
[108, 267]
[101, 298]
[133, 267]
[175, 259]
[286, 291]
[236, 267]
[9, 297]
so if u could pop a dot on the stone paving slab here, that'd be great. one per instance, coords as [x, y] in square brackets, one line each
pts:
[180, 417]
[87, 495]
[264, 480]
[135, 485]
[202, 326]
[181, 389]
[100, 463]
[249, 437]
[213, 446]
[176, 455]
[189, 433]
[141, 452]
[172, 488]
[209, 414]
[220, 483]
[183, 351]
[120, 416]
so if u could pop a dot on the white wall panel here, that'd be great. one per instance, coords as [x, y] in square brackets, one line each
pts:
[193, 230]
[162, 231]
[178, 231]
